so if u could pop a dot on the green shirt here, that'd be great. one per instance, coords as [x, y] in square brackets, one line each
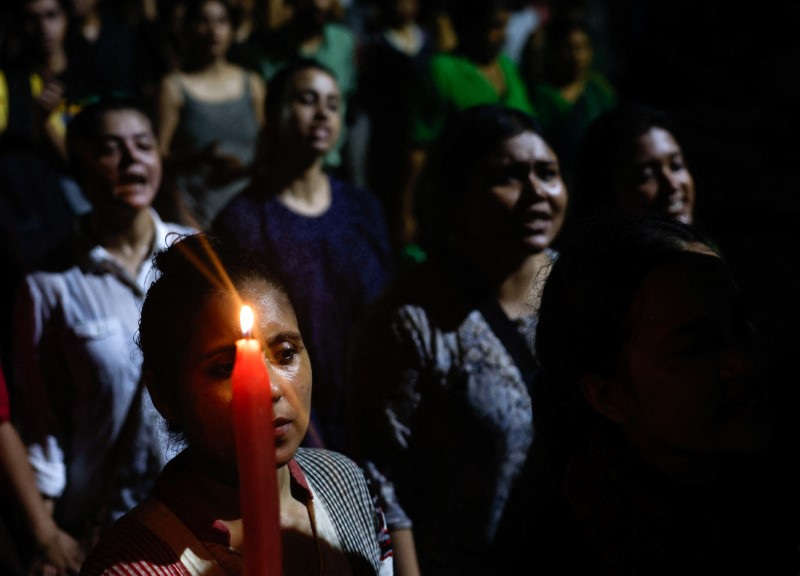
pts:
[451, 83]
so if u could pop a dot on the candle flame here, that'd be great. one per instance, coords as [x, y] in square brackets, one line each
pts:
[246, 320]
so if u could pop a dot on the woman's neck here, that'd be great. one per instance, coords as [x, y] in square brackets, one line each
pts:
[215, 491]
[54, 64]
[308, 194]
[516, 281]
[686, 468]
[520, 290]
[211, 66]
[128, 239]
[405, 35]
[572, 91]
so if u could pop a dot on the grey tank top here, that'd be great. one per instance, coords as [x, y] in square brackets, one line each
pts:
[231, 123]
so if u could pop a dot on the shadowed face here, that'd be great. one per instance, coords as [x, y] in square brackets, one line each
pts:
[213, 30]
[45, 23]
[693, 384]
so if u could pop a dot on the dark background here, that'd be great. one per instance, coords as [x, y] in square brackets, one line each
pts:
[729, 75]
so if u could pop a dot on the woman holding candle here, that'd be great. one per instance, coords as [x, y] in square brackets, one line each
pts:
[188, 336]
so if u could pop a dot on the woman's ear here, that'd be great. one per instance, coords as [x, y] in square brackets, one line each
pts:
[159, 400]
[607, 397]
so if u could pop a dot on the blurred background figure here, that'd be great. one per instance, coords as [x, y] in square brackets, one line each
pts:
[209, 115]
[39, 201]
[390, 60]
[30, 541]
[325, 236]
[475, 72]
[105, 50]
[313, 30]
[650, 405]
[92, 434]
[34, 104]
[440, 376]
[571, 92]
[525, 25]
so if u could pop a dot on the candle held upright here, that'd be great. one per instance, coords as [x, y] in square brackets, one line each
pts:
[255, 453]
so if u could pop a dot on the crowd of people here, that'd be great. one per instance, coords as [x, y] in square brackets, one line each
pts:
[528, 346]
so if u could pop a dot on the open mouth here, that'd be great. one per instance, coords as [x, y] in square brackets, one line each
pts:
[131, 179]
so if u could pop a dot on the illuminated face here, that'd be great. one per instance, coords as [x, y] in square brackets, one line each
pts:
[203, 401]
[311, 117]
[658, 180]
[213, 31]
[692, 380]
[45, 23]
[123, 168]
[519, 200]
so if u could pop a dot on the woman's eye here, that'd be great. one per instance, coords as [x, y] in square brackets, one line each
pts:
[306, 98]
[677, 164]
[547, 172]
[221, 370]
[146, 145]
[108, 147]
[706, 343]
[285, 354]
[645, 174]
[505, 175]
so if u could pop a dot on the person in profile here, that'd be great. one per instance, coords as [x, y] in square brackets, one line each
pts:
[652, 413]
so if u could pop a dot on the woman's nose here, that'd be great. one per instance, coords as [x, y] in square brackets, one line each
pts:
[736, 362]
[274, 383]
[670, 181]
[533, 186]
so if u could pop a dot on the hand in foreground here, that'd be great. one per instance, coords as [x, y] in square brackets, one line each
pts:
[60, 555]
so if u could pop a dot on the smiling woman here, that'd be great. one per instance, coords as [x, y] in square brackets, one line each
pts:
[631, 162]
[188, 332]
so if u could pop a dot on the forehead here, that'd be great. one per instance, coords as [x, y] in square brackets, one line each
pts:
[656, 142]
[271, 308]
[526, 146]
[40, 7]
[697, 286]
[213, 7]
[124, 123]
[314, 78]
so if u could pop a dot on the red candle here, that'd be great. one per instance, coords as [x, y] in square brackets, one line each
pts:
[255, 453]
